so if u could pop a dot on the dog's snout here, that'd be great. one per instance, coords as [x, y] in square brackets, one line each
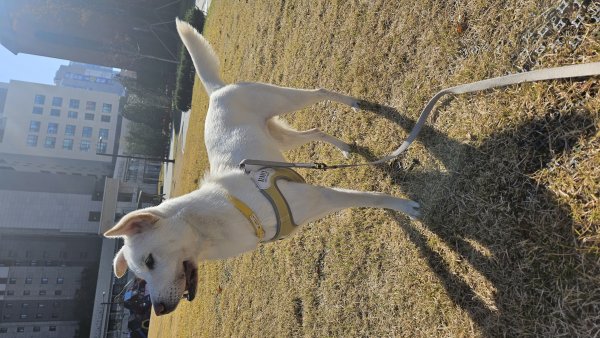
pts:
[161, 309]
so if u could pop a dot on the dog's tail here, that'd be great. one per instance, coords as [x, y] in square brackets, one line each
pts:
[204, 57]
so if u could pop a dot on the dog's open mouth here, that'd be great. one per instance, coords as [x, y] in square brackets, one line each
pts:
[191, 280]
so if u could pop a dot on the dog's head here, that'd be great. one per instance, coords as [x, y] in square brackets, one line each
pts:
[160, 251]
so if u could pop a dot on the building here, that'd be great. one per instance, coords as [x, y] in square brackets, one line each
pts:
[45, 280]
[135, 35]
[51, 190]
[132, 186]
[49, 247]
[59, 122]
[90, 77]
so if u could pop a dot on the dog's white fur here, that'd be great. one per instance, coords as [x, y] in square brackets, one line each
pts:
[241, 123]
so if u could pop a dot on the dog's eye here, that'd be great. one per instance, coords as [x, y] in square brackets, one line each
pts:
[149, 262]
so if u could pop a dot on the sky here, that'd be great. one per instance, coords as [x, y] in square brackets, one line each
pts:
[26, 67]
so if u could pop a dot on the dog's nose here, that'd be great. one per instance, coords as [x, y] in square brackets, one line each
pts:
[159, 309]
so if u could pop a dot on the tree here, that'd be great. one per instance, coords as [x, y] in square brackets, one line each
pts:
[146, 113]
[144, 140]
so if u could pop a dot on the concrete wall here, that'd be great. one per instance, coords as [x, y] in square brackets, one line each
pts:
[64, 166]
[44, 210]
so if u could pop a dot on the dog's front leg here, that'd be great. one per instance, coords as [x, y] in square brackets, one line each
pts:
[309, 203]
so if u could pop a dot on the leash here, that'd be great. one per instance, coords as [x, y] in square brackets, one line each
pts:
[565, 72]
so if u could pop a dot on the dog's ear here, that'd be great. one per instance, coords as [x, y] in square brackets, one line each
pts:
[133, 223]
[120, 264]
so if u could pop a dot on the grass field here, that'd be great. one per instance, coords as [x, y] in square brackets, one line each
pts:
[509, 244]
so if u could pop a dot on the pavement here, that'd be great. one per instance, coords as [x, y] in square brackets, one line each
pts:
[203, 5]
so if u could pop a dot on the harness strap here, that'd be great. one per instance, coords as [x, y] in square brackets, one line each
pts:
[266, 180]
[250, 216]
[565, 72]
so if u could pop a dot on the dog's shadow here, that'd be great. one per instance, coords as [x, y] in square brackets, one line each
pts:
[512, 230]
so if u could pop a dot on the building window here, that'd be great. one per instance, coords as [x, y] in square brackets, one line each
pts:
[42, 292]
[21, 328]
[6, 316]
[57, 101]
[54, 112]
[89, 117]
[86, 132]
[85, 145]
[28, 280]
[12, 281]
[52, 128]
[32, 140]
[3, 329]
[57, 292]
[52, 328]
[25, 305]
[103, 133]
[60, 280]
[38, 316]
[72, 114]
[8, 305]
[55, 304]
[70, 130]
[26, 292]
[107, 108]
[68, 144]
[90, 105]
[34, 126]
[41, 305]
[54, 316]
[105, 118]
[37, 110]
[44, 280]
[94, 216]
[50, 142]
[101, 147]
[73, 103]
[39, 99]
[36, 329]
[124, 197]
[23, 316]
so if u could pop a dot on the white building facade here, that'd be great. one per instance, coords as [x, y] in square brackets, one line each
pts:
[59, 122]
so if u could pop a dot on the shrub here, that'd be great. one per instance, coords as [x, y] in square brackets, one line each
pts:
[185, 71]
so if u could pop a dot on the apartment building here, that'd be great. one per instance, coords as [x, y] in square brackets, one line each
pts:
[44, 281]
[90, 77]
[58, 122]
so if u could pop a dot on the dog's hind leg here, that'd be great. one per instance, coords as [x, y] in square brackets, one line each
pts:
[270, 100]
[288, 138]
[309, 202]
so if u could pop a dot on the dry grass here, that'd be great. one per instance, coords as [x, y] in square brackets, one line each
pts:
[510, 180]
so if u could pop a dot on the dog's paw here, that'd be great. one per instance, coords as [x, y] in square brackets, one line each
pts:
[346, 149]
[357, 105]
[411, 208]
[365, 105]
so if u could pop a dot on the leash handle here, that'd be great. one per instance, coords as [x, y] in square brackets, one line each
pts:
[556, 73]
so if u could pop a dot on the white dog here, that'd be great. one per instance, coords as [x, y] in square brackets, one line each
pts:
[230, 213]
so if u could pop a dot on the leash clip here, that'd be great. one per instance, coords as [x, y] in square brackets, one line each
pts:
[320, 165]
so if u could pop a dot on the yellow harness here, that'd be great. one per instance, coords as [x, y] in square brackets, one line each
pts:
[266, 181]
